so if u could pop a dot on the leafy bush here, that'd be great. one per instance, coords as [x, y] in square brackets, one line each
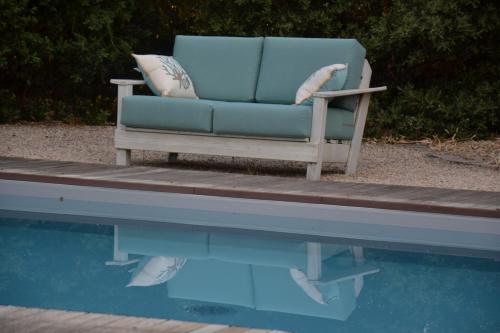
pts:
[57, 56]
[437, 57]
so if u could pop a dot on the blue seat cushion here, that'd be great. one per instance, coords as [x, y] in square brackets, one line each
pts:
[278, 121]
[163, 242]
[174, 114]
[262, 120]
[258, 250]
[265, 251]
[339, 124]
[221, 68]
[232, 118]
[213, 281]
[288, 62]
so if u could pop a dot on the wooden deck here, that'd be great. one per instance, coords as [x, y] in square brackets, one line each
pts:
[405, 198]
[34, 320]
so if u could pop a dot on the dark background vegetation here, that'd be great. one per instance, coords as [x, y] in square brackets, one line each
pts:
[439, 58]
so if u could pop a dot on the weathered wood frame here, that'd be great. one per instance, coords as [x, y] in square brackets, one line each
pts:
[314, 152]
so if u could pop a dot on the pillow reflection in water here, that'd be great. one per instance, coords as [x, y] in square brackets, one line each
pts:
[320, 294]
[155, 270]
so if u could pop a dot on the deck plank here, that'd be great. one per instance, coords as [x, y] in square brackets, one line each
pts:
[5, 311]
[210, 329]
[233, 330]
[398, 197]
[22, 319]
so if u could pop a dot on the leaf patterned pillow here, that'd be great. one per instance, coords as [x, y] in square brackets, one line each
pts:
[165, 76]
[155, 270]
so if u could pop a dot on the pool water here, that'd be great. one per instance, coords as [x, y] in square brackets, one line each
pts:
[254, 280]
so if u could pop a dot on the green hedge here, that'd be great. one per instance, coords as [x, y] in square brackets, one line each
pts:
[438, 57]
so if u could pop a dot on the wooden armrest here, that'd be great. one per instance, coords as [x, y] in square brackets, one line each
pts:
[350, 92]
[125, 82]
[347, 273]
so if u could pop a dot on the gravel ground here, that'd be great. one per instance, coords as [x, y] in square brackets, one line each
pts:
[462, 165]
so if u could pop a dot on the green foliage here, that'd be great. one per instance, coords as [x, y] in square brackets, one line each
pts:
[56, 56]
[437, 57]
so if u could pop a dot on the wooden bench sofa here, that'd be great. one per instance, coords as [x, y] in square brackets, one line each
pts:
[246, 89]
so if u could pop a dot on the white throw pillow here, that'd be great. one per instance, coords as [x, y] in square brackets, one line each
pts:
[155, 270]
[320, 292]
[317, 79]
[165, 76]
[306, 285]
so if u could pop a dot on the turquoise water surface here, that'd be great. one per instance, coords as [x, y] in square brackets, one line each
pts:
[244, 279]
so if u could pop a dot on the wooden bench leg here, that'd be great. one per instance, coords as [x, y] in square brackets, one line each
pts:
[320, 106]
[119, 258]
[172, 157]
[123, 157]
[359, 122]
[314, 261]
[359, 127]
[357, 252]
[313, 171]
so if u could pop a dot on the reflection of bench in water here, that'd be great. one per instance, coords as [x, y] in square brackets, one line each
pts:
[283, 275]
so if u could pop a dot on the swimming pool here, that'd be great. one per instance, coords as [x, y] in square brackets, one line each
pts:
[444, 233]
[246, 278]
[283, 262]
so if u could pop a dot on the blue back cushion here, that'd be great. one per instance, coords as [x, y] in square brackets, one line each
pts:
[288, 62]
[221, 68]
